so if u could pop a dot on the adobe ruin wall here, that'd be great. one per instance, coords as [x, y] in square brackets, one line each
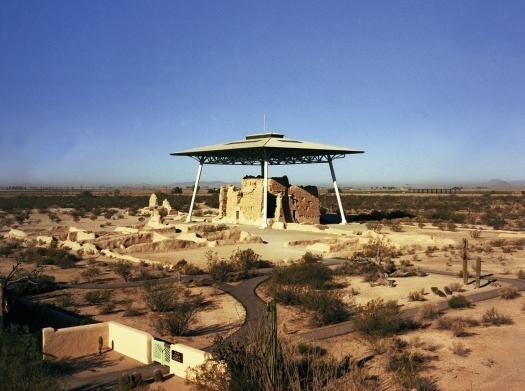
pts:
[286, 203]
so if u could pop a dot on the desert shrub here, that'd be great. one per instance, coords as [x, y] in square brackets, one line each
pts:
[90, 273]
[34, 284]
[380, 249]
[459, 328]
[287, 295]
[476, 233]
[178, 321]
[458, 301]
[447, 290]
[373, 225]
[219, 269]
[21, 364]
[459, 349]
[124, 269]
[406, 367]
[405, 263]
[49, 256]
[163, 297]
[65, 301]
[430, 250]
[446, 322]
[521, 274]
[108, 308]
[214, 228]
[378, 318]
[327, 306]
[451, 226]
[509, 292]
[245, 261]
[311, 274]
[98, 297]
[429, 311]
[189, 269]
[417, 295]
[243, 366]
[493, 317]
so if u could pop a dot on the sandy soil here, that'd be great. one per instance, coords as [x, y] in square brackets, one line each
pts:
[492, 362]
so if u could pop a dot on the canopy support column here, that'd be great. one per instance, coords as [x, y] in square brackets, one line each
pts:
[341, 210]
[265, 196]
[195, 189]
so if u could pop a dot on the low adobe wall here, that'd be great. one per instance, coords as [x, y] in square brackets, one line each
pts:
[83, 340]
[130, 342]
[189, 356]
[73, 341]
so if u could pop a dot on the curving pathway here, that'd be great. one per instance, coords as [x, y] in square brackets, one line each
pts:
[244, 292]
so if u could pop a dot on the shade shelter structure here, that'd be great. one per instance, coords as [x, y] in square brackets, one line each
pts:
[266, 149]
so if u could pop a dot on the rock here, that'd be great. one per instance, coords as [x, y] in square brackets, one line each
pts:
[79, 235]
[90, 249]
[153, 201]
[17, 234]
[45, 239]
[278, 225]
[126, 230]
[73, 246]
[166, 205]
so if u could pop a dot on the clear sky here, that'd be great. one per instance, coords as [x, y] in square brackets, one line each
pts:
[100, 92]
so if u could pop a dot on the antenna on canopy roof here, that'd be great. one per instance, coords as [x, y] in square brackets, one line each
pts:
[264, 119]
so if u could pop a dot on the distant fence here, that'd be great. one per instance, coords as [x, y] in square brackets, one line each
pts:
[434, 191]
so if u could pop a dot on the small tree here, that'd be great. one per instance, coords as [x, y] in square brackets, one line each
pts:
[219, 269]
[124, 269]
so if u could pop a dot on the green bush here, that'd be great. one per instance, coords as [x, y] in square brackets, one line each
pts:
[313, 275]
[98, 297]
[378, 318]
[458, 301]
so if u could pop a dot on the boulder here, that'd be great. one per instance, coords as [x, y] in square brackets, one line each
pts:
[17, 234]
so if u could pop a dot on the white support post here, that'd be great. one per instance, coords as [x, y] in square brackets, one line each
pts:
[195, 188]
[343, 219]
[265, 197]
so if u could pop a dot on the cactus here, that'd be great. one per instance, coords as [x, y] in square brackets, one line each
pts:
[100, 344]
[478, 272]
[271, 340]
[465, 259]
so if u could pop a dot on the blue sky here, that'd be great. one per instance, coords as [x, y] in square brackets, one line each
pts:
[100, 92]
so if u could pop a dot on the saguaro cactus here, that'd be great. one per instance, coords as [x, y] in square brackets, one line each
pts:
[465, 259]
[478, 272]
[100, 343]
[271, 340]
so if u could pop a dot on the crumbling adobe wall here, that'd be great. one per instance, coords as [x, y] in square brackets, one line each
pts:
[304, 204]
[287, 204]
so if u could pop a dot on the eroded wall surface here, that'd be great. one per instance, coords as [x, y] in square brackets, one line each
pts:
[286, 203]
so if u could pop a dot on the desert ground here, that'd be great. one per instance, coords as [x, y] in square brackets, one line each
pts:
[484, 358]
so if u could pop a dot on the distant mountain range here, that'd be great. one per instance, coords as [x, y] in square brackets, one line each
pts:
[499, 184]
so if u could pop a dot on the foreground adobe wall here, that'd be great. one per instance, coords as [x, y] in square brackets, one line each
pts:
[73, 341]
[189, 356]
[130, 342]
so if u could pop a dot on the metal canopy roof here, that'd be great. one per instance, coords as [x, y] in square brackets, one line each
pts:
[270, 147]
